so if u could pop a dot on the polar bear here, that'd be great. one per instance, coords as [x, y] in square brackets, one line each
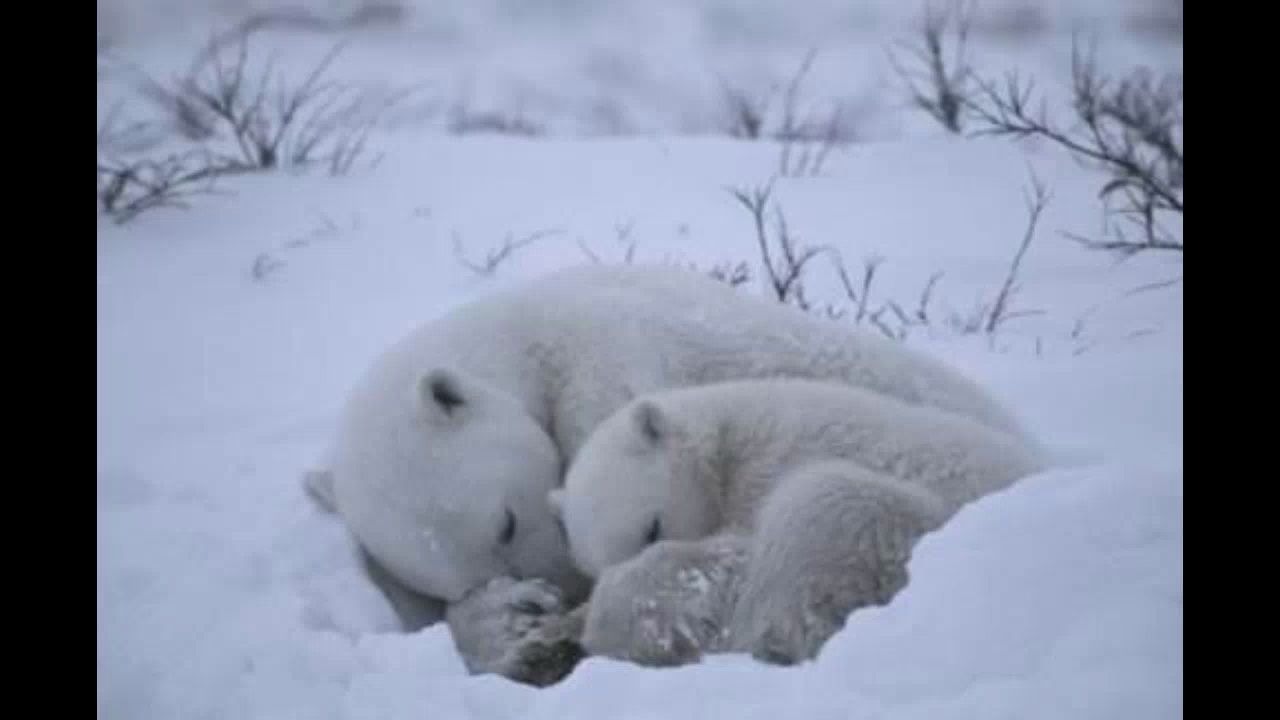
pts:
[808, 496]
[447, 446]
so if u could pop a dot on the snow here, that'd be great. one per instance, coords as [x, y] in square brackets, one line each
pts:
[223, 593]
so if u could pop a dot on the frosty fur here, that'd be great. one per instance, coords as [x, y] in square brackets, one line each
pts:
[477, 412]
[804, 498]
[448, 445]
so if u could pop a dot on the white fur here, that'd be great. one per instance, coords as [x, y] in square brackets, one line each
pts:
[670, 604]
[426, 489]
[830, 486]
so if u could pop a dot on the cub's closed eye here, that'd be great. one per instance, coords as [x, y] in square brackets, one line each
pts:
[655, 532]
[508, 529]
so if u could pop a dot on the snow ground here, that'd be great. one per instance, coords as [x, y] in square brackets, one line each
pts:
[223, 594]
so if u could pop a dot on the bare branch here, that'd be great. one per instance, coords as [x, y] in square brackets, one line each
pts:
[941, 86]
[812, 140]
[784, 265]
[1148, 287]
[263, 265]
[125, 190]
[594, 258]
[622, 231]
[922, 310]
[732, 276]
[269, 122]
[746, 114]
[495, 256]
[792, 95]
[755, 203]
[243, 119]
[1036, 203]
[1131, 129]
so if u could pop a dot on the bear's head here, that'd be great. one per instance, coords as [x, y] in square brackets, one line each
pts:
[444, 482]
[638, 479]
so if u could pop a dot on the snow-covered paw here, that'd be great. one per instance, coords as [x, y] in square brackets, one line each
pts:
[667, 606]
[547, 653]
[517, 629]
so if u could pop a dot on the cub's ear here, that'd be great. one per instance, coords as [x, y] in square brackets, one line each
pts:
[555, 499]
[650, 422]
[319, 485]
[440, 392]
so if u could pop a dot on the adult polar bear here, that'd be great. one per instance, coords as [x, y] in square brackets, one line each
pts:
[449, 444]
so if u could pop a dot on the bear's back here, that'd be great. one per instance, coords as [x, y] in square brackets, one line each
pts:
[784, 423]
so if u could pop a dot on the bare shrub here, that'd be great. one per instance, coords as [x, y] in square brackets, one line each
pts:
[746, 112]
[791, 98]
[1036, 201]
[326, 230]
[1131, 129]
[805, 153]
[239, 118]
[889, 317]
[807, 138]
[861, 296]
[940, 80]
[733, 275]
[253, 118]
[921, 315]
[784, 265]
[494, 257]
[286, 129]
[787, 263]
[623, 236]
[988, 317]
[128, 188]
[807, 141]
[586, 250]
[263, 265]
[622, 232]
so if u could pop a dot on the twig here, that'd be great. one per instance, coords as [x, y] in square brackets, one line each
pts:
[1036, 202]
[1132, 130]
[495, 256]
[941, 88]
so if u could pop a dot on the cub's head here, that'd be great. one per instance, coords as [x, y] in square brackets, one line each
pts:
[638, 479]
[443, 480]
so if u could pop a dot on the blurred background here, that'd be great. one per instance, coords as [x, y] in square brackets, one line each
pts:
[610, 67]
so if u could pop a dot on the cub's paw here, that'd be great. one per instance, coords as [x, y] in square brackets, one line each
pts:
[667, 606]
[517, 629]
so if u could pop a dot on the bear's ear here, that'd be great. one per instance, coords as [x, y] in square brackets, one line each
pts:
[555, 499]
[319, 485]
[439, 391]
[650, 421]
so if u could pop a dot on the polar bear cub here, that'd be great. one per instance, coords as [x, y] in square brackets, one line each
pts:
[810, 496]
